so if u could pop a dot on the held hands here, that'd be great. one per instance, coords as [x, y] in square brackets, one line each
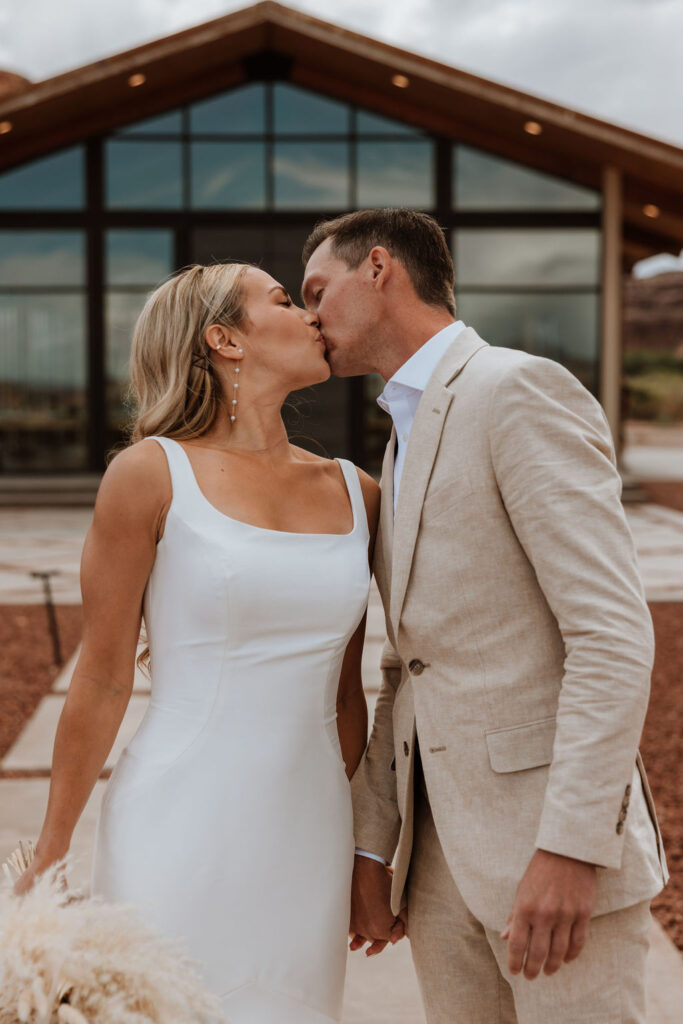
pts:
[372, 919]
[550, 914]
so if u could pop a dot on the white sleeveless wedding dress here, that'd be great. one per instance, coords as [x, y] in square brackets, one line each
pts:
[227, 819]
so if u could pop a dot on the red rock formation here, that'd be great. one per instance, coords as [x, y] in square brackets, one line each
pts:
[653, 313]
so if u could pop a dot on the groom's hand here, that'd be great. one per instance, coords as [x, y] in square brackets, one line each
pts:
[372, 919]
[550, 914]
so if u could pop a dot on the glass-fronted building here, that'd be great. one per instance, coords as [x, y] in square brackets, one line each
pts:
[243, 172]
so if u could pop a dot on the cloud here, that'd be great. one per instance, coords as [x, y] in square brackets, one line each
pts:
[617, 59]
[39, 38]
[662, 263]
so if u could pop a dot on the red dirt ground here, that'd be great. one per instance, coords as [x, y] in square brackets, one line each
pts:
[27, 669]
[665, 492]
[27, 672]
[661, 749]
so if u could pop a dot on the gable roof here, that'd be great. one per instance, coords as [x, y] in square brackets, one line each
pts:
[271, 39]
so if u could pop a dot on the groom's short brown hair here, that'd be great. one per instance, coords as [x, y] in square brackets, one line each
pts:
[413, 238]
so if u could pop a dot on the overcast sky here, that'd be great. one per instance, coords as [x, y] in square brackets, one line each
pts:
[621, 60]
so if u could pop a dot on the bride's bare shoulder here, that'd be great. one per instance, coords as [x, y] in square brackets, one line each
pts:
[137, 477]
[137, 459]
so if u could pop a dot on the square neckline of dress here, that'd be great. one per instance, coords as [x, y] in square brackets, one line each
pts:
[266, 529]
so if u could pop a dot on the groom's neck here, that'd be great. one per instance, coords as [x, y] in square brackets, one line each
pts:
[404, 334]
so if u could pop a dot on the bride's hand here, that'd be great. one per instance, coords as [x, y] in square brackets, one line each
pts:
[28, 877]
[25, 881]
[372, 919]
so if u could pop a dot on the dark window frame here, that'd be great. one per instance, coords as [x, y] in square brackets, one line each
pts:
[95, 219]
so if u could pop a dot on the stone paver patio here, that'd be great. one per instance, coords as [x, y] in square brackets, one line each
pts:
[380, 990]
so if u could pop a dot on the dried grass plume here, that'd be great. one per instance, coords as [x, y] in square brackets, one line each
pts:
[67, 959]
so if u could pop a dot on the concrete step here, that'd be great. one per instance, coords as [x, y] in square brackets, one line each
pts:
[33, 748]
[68, 490]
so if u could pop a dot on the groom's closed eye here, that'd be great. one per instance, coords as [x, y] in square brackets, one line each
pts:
[311, 297]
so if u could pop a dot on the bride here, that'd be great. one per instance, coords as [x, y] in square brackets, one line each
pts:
[227, 819]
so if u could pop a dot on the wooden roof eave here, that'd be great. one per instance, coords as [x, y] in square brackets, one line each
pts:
[444, 100]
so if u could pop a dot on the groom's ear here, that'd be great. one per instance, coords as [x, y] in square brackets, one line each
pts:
[379, 261]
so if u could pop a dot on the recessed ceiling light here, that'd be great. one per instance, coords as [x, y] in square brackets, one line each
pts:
[400, 81]
[533, 128]
[650, 210]
[135, 80]
[5, 127]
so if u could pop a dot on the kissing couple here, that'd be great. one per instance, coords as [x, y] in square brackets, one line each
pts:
[499, 817]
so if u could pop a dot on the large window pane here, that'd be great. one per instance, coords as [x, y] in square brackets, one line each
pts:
[396, 174]
[39, 258]
[42, 382]
[310, 175]
[138, 257]
[557, 326]
[136, 262]
[143, 175]
[374, 124]
[121, 311]
[164, 124]
[527, 256]
[239, 112]
[228, 175]
[55, 182]
[484, 182]
[300, 112]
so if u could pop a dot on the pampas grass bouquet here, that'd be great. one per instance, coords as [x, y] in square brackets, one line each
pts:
[70, 959]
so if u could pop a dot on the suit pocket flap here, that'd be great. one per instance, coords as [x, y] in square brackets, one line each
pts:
[517, 747]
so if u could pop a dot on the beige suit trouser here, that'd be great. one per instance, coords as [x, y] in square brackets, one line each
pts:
[461, 964]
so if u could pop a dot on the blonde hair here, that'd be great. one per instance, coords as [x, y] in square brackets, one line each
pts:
[174, 388]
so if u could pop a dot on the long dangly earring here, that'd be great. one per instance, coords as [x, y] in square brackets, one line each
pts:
[235, 386]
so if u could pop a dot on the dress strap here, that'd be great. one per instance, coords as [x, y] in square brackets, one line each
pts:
[183, 481]
[356, 494]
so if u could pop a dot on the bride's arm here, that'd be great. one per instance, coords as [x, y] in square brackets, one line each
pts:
[117, 558]
[352, 710]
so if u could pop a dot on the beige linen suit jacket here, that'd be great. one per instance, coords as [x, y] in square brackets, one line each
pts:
[519, 645]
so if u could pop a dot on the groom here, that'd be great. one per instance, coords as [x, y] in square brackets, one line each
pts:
[502, 775]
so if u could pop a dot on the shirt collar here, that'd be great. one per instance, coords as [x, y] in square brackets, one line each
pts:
[417, 370]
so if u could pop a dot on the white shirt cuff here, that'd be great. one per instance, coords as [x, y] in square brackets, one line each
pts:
[372, 856]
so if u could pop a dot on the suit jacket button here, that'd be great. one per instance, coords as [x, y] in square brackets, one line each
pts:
[620, 827]
[406, 748]
[622, 814]
[416, 667]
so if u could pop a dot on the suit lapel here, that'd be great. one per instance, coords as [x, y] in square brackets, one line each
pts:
[423, 445]
[424, 440]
